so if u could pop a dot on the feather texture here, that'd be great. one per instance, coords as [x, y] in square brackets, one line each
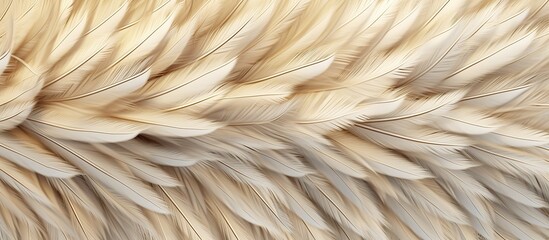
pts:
[290, 119]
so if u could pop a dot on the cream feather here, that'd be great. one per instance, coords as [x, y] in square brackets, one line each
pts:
[107, 172]
[292, 119]
[34, 157]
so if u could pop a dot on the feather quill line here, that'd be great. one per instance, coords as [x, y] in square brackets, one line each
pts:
[488, 56]
[179, 210]
[291, 70]
[88, 162]
[408, 138]
[103, 88]
[187, 82]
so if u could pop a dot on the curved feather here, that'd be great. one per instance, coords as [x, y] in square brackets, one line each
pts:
[291, 119]
[378, 159]
[34, 158]
[66, 123]
[107, 172]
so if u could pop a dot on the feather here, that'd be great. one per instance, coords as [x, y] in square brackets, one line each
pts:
[165, 229]
[494, 96]
[303, 67]
[382, 69]
[290, 119]
[341, 232]
[22, 87]
[420, 223]
[65, 122]
[509, 187]
[536, 182]
[69, 35]
[200, 103]
[334, 159]
[448, 54]
[510, 160]
[349, 188]
[61, 220]
[172, 124]
[118, 207]
[333, 204]
[212, 146]
[72, 69]
[77, 64]
[515, 135]
[165, 154]
[377, 107]
[186, 219]
[512, 17]
[262, 93]
[304, 231]
[107, 172]
[23, 181]
[198, 77]
[442, 41]
[54, 218]
[480, 208]
[463, 232]
[244, 201]
[85, 223]
[17, 207]
[515, 226]
[314, 21]
[125, 229]
[484, 229]
[42, 14]
[284, 163]
[285, 13]
[468, 121]
[411, 139]
[399, 229]
[143, 37]
[141, 168]
[531, 215]
[177, 39]
[454, 161]
[326, 111]
[378, 159]
[243, 172]
[302, 206]
[251, 114]
[371, 17]
[107, 17]
[242, 26]
[79, 194]
[402, 26]
[492, 57]
[6, 41]
[353, 17]
[422, 110]
[118, 81]
[428, 196]
[253, 136]
[231, 226]
[34, 158]
[14, 114]
[461, 181]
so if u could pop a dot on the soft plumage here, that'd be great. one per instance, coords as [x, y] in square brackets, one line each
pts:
[291, 119]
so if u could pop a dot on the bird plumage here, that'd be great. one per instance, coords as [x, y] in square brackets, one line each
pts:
[293, 119]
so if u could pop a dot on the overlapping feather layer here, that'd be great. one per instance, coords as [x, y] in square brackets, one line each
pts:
[291, 119]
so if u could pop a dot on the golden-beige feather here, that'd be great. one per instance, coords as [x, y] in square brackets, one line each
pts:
[278, 119]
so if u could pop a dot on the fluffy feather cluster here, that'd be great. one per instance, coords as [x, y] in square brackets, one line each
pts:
[281, 119]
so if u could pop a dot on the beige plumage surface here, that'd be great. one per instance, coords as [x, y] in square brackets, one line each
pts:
[293, 119]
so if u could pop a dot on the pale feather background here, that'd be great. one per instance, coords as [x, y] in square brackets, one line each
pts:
[280, 119]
